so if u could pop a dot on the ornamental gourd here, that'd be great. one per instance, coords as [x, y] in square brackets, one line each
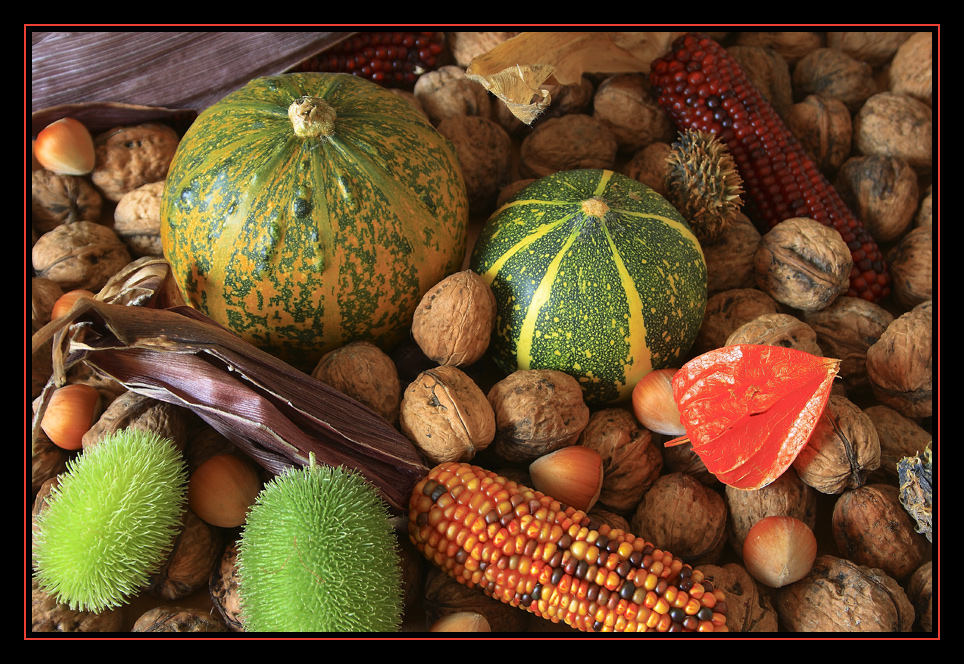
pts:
[304, 211]
[594, 274]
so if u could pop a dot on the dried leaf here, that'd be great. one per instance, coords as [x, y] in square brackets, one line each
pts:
[273, 412]
[750, 409]
[517, 69]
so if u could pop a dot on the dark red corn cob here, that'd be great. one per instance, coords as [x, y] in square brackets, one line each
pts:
[388, 58]
[703, 88]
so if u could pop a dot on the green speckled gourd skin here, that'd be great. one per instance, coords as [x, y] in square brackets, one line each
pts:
[606, 298]
[302, 245]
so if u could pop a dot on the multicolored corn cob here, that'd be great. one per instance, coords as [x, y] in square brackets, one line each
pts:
[390, 58]
[528, 550]
[703, 88]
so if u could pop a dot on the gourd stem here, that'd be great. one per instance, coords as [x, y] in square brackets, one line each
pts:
[595, 207]
[312, 117]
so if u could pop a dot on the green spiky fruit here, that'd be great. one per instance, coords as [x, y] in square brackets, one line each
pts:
[110, 521]
[318, 554]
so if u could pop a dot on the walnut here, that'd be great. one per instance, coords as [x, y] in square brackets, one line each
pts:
[842, 596]
[777, 329]
[833, 74]
[883, 193]
[137, 219]
[454, 320]
[792, 46]
[446, 91]
[82, 255]
[46, 461]
[511, 190]
[444, 595]
[563, 100]
[911, 264]
[484, 150]
[787, 495]
[650, 167]
[824, 129]
[144, 413]
[203, 444]
[625, 104]
[875, 48]
[466, 46]
[631, 460]
[911, 71]
[223, 588]
[612, 519]
[446, 415]
[682, 515]
[748, 609]
[128, 157]
[729, 261]
[803, 264]
[726, 311]
[188, 619]
[62, 199]
[845, 330]
[566, 143]
[194, 554]
[43, 294]
[842, 451]
[682, 459]
[920, 592]
[899, 365]
[872, 528]
[925, 213]
[899, 437]
[364, 372]
[49, 615]
[768, 71]
[537, 411]
[896, 125]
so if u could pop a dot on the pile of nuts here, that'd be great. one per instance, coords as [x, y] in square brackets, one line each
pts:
[860, 103]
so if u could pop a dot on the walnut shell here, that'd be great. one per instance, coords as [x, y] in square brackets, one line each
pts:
[625, 104]
[631, 460]
[824, 129]
[144, 413]
[842, 451]
[788, 495]
[537, 411]
[872, 528]
[137, 219]
[842, 596]
[129, 157]
[178, 619]
[803, 264]
[911, 71]
[563, 100]
[484, 151]
[748, 609]
[899, 365]
[899, 437]
[769, 72]
[682, 459]
[650, 166]
[444, 595]
[195, 552]
[81, 255]
[777, 329]
[920, 592]
[728, 310]
[446, 92]
[364, 372]
[511, 190]
[57, 199]
[925, 212]
[223, 588]
[792, 46]
[46, 462]
[682, 515]
[49, 615]
[566, 143]
[43, 294]
[833, 74]
[446, 415]
[454, 320]
[729, 261]
[896, 125]
[911, 263]
[875, 48]
[883, 193]
[845, 330]
[466, 46]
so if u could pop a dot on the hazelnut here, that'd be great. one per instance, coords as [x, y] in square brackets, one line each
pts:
[223, 489]
[785, 496]
[454, 320]
[572, 475]
[461, 621]
[779, 550]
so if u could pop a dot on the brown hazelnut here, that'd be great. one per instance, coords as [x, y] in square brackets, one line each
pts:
[788, 495]
[128, 157]
[896, 125]
[726, 311]
[777, 329]
[748, 609]
[729, 261]
[82, 255]
[824, 129]
[803, 264]
[62, 199]
[137, 219]
[537, 411]
[899, 364]
[911, 264]
[625, 104]
[565, 143]
[454, 320]
[883, 193]
[484, 151]
[446, 415]
[899, 437]
[650, 167]
[833, 74]
[872, 528]
[911, 71]
[446, 91]
[364, 372]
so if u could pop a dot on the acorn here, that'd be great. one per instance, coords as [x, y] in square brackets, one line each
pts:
[703, 183]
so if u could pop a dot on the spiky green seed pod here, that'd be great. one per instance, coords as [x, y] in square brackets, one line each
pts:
[318, 554]
[110, 521]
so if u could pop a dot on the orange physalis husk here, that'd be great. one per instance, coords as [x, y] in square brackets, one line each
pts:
[750, 409]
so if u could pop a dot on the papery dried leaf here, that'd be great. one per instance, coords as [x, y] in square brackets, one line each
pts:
[276, 414]
[516, 69]
[750, 409]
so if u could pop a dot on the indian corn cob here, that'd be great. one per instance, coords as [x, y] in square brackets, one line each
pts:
[703, 88]
[528, 550]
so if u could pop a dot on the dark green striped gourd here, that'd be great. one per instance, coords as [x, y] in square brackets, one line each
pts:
[594, 274]
[303, 233]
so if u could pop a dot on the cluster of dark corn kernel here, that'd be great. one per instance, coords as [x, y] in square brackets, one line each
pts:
[528, 550]
[703, 88]
[387, 58]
